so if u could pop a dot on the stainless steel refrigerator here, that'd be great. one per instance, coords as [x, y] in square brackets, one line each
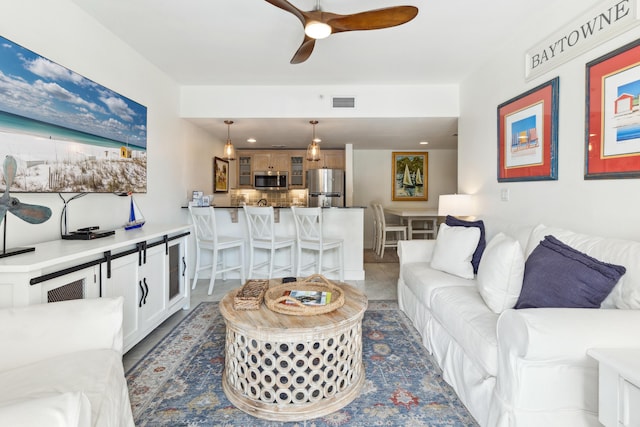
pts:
[326, 187]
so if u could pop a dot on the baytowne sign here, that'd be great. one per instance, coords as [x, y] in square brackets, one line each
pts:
[599, 24]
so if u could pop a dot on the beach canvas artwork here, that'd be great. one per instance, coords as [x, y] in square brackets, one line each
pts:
[68, 133]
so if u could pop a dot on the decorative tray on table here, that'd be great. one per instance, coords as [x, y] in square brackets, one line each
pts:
[281, 298]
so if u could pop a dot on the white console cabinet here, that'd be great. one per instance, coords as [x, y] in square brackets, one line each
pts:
[147, 266]
[618, 385]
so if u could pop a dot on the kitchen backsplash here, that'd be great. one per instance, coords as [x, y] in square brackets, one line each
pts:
[272, 197]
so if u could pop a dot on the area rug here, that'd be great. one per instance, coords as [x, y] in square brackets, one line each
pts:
[178, 383]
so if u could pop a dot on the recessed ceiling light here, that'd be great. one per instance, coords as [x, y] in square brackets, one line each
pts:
[424, 143]
[251, 140]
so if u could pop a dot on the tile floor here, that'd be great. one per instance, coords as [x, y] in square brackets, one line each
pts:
[379, 284]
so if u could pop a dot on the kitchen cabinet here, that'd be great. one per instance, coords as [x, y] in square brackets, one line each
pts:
[276, 161]
[330, 159]
[245, 170]
[297, 170]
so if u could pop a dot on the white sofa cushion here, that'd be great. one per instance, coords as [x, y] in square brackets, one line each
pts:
[70, 409]
[463, 313]
[422, 280]
[500, 273]
[454, 249]
[96, 373]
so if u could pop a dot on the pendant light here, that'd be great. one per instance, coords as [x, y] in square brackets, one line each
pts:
[229, 151]
[313, 150]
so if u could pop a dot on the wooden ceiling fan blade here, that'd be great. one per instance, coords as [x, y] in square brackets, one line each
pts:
[304, 51]
[286, 6]
[374, 19]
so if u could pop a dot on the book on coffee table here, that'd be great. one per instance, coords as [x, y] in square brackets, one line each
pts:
[309, 297]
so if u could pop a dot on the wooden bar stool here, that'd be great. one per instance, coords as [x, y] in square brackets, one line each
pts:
[310, 238]
[207, 239]
[261, 231]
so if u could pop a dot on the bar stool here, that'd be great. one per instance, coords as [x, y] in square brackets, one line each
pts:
[384, 228]
[261, 231]
[207, 239]
[309, 233]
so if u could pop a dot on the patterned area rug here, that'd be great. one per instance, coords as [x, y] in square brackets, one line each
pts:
[178, 383]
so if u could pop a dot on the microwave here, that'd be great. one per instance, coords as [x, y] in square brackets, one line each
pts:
[270, 180]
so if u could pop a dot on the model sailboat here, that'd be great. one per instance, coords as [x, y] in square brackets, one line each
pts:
[136, 220]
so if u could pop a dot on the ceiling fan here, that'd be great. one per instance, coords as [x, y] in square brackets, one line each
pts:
[318, 24]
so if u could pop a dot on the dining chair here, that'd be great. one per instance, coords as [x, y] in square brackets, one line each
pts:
[310, 238]
[399, 232]
[376, 234]
[208, 240]
[262, 237]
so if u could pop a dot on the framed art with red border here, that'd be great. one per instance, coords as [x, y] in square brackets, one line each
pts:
[528, 135]
[612, 131]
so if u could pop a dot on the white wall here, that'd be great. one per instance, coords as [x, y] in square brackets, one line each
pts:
[63, 33]
[603, 207]
[372, 182]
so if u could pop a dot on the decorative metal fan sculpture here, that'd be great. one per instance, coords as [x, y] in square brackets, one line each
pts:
[33, 214]
[327, 23]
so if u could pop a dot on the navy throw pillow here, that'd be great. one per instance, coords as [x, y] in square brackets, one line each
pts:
[452, 221]
[557, 275]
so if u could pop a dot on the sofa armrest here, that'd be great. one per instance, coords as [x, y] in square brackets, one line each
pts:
[415, 250]
[565, 333]
[37, 332]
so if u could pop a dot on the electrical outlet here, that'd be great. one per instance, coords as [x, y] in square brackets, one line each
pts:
[504, 194]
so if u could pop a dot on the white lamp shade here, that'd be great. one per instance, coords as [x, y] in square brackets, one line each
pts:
[454, 205]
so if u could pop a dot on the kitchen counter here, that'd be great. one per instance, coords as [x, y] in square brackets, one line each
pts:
[343, 223]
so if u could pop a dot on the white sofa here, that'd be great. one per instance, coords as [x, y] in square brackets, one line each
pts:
[61, 365]
[520, 367]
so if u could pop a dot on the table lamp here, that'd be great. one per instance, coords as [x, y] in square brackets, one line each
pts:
[458, 205]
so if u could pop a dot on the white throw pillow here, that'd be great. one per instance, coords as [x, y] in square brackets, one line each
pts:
[453, 250]
[501, 272]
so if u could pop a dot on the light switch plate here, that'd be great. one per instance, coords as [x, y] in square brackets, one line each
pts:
[504, 194]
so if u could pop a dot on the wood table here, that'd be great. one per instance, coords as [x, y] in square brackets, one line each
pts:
[293, 368]
[417, 214]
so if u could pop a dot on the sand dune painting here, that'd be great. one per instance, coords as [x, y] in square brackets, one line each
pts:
[67, 133]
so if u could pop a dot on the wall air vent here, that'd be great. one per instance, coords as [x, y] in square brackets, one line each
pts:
[344, 102]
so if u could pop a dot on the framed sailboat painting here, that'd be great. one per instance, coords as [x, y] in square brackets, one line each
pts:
[409, 172]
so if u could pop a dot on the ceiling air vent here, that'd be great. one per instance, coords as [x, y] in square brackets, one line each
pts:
[344, 102]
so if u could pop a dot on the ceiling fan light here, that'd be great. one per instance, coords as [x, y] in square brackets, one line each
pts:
[317, 30]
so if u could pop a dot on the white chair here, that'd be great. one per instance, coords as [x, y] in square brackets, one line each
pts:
[309, 233]
[261, 230]
[399, 231]
[207, 239]
[376, 234]
[428, 230]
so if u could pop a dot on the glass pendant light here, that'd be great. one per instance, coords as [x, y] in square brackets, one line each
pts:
[229, 150]
[313, 150]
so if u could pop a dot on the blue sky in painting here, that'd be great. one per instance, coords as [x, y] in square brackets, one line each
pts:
[632, 88]
[34, 87]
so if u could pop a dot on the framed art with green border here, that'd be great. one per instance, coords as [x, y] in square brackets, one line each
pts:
[528, 135]
[612, 131]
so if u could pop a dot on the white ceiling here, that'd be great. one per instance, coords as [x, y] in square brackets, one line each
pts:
[250, 42]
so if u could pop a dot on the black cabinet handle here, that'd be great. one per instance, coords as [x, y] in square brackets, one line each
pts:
[184, 267]
[146, 290]
[141, 294]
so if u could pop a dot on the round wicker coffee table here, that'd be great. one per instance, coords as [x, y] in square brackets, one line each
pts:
[293, 368]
